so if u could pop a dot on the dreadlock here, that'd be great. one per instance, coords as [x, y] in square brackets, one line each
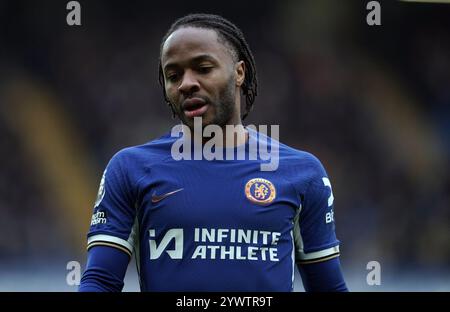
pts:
[231, 35]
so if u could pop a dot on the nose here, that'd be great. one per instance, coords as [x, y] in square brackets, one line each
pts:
[189, 83]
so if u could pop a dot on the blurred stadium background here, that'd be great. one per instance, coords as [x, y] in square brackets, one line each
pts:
[372, 102]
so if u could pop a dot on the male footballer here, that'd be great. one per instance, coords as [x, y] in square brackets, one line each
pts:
[212, 224]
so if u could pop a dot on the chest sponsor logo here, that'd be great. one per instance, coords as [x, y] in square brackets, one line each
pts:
[157, 250]
[217, 244]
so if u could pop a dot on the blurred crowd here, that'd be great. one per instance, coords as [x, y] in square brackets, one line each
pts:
[373, 103]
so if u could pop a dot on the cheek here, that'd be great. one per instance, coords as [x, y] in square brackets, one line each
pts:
[218, 85]
[172, 93]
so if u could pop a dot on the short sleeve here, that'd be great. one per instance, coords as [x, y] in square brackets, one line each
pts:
[314, 227]
[113, 220]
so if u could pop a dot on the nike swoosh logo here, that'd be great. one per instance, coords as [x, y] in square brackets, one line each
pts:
[157, 198]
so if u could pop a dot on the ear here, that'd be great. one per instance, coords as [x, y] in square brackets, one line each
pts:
[240, 73]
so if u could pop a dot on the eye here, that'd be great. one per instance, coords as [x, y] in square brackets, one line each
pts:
[172, 77]
[205, 69]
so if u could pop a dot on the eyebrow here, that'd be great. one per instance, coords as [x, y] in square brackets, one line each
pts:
[196, 59]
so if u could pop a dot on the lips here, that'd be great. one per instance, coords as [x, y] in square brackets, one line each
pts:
[194, 107]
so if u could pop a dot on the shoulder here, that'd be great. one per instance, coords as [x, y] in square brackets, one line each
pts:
[288, 154]
[291, 160]
[134, 161]
[301, 168]
[300, 160]
[151, 151]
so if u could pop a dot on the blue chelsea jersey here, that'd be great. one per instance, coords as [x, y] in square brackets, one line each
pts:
[215, 225]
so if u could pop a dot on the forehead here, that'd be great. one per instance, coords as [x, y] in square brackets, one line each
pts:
[186, 43]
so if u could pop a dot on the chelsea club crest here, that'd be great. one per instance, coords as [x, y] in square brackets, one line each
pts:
[260, 191]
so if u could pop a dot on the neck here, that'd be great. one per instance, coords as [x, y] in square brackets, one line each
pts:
[234, 135]
[229, 136]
